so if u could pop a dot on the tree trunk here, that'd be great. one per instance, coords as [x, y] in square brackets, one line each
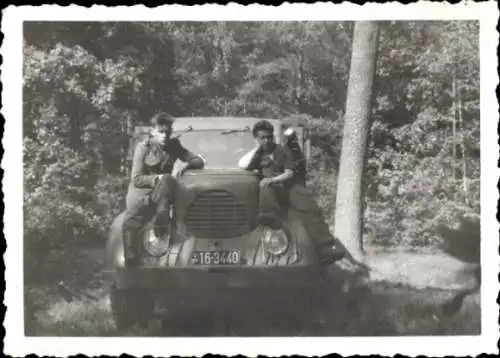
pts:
[463, 154]
[349, 201]
[454, 128]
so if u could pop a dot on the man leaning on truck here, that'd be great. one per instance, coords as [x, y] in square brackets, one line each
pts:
[274, 163]
[283, 187]
[152, 188]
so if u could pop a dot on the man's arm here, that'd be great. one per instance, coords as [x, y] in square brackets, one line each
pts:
[193, 161]
[287, 174]
[289, 168]
[139, 178]
[247, 162]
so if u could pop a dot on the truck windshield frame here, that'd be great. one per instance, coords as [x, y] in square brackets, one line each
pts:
[221, 149]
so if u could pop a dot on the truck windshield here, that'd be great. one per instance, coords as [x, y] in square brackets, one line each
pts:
[221, 149]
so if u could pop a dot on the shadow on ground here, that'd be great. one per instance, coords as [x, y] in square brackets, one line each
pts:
[385, 308]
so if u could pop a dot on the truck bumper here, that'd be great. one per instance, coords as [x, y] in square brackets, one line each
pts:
[174, 279]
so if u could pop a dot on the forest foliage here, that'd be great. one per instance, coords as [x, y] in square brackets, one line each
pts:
[86, 84]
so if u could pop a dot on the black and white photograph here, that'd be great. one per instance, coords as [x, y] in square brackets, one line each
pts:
[255, 176]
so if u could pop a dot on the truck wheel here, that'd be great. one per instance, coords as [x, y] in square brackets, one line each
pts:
[131, 308]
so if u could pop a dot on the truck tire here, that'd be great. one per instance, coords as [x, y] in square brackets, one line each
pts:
[131, 308]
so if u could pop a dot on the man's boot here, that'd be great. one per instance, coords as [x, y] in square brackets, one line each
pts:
[132, 258]
[272, 210]
[329, 252]
[162, 222]
[161, 195]
[162, 217]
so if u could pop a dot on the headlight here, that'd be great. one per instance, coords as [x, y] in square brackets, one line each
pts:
[154, 245]
[275, 241]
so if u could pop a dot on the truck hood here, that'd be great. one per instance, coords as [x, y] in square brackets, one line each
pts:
[207, 178]
[217, 199]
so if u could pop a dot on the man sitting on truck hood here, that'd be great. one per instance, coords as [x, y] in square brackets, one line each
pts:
[274, 163]
[286, 167]
[152, 187]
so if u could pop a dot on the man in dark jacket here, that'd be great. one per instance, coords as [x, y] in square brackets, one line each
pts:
[284, 172]
[152, 188]
[275, 165]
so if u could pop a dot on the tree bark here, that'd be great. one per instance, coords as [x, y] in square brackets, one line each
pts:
[349, 201]
[454, 127]
[463, 154]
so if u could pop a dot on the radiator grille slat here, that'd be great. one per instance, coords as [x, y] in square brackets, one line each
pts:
[217, 214]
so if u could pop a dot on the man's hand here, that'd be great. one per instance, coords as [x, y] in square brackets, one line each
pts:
[183, 168]
[266, 182]
[196, 162]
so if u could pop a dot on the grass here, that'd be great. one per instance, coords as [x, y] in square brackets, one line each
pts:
[404, 292]
[419, 270]
[77, 318]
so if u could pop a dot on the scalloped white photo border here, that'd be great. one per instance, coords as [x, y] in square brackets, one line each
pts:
[17, 344]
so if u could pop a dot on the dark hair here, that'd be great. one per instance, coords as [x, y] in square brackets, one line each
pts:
[262, 125]
[162, 119]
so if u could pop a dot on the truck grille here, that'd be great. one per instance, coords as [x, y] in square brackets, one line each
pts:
[217, 214]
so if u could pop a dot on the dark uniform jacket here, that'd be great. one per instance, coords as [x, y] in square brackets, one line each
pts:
[274, 164]
[150, 160]
[283, 158]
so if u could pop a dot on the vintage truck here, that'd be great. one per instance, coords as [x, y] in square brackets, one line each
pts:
[215, 245]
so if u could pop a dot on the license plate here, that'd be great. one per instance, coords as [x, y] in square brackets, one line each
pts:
[221, 257]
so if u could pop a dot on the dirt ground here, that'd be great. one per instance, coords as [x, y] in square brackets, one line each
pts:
[401, 299]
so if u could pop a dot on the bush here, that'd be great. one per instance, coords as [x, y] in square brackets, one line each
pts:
[66, 204]
[110, 193]
[322, 167]
[413, 189]
[408, 181]
[323, 184]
